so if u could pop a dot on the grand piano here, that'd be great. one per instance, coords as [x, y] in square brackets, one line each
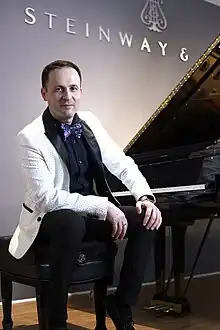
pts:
[170, 150]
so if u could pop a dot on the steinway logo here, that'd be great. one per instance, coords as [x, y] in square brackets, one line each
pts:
[152, 16]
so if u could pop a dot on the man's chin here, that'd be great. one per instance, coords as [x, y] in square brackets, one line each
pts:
[68, 111]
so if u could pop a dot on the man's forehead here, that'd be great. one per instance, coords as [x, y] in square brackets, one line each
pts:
[66, 74]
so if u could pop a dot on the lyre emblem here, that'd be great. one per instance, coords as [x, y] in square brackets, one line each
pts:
[153, 17]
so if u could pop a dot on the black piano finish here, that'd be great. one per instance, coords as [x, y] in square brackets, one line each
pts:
[187, 121]
[169, 152]
[169, 148]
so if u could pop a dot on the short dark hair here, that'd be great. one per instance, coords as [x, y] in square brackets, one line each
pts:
[58, 64]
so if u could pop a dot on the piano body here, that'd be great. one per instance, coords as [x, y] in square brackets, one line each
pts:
[170, 150]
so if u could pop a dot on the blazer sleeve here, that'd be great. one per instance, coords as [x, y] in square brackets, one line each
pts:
[120, 165]
[39, 185]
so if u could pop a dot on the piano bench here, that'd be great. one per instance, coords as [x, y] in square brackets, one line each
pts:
[95, 264]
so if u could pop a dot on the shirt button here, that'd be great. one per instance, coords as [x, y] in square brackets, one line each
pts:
[80, 162]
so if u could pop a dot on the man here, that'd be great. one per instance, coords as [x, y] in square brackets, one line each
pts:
[62, 153]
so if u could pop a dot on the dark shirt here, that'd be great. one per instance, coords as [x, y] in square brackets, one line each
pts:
[81, 173]
[80, 163]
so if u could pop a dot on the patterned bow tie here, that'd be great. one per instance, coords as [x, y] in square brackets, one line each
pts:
[75, 130]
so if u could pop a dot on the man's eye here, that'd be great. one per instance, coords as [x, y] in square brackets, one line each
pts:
[74, 88]
[58, 89]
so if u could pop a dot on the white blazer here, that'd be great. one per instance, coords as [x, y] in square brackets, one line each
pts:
[46, 179]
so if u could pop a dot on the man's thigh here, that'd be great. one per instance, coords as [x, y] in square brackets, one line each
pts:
[61, 223]
[99, 230]
[102, 230]
[94, 229]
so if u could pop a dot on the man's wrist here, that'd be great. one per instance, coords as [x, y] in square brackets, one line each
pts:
[149, 198]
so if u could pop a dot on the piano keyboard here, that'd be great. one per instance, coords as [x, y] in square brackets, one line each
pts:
[165, 190]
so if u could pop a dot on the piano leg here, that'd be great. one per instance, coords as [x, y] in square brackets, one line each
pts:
[162, 302]
[178, 249]
[178, 303]
[159, 259]
[211, 218]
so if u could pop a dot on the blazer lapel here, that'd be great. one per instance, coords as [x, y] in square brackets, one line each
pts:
[95, 153]
[51, 129]
[93, 147]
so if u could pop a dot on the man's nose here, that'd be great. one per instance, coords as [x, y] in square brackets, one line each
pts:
[67, 94]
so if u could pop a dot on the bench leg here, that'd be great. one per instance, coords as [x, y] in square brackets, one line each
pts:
[100, 292]
[6, 289]
[42, 306]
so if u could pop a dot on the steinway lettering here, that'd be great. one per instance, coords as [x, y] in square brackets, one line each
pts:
[104, 34]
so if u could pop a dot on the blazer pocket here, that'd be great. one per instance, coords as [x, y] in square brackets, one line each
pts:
[29, 217]
[31, 211]
[27, 208]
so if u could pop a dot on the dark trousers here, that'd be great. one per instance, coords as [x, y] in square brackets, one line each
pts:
[64, 231]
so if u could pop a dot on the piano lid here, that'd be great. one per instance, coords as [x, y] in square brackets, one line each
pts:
[190, 114]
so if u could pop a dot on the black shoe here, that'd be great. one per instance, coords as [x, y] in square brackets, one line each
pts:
[119, 313]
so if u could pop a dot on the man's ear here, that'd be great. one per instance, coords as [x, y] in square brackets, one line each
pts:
[44, 93]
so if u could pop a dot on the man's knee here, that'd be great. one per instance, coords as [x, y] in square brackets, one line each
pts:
[132, 216]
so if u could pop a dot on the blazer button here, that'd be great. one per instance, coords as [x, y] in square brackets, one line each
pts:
[39, 219]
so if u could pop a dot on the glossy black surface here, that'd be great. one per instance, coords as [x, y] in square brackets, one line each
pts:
[189, 121]
[192, 116]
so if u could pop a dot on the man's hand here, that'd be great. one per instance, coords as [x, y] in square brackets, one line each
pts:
[152, 218]
[118, 221]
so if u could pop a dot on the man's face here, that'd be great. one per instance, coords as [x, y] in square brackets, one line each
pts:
[63, 93]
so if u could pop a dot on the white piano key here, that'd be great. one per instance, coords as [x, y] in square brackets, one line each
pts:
[165, 190]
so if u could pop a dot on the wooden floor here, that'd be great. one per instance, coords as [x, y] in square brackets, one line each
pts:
[203, 294]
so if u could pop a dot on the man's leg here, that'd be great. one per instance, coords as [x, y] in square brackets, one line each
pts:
[137, 251]
[136, 256]
[63, 231]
